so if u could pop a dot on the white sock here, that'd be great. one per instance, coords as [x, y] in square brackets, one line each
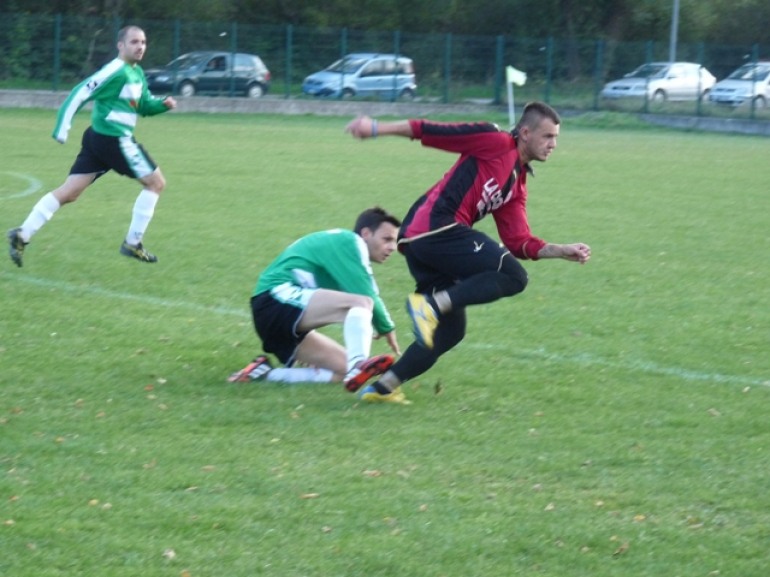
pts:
[144, 208]
[357, 332]
[41, 214]
[300, 375]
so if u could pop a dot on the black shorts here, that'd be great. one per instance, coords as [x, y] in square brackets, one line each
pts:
[439, 260]
[276, 320]
[123, 154]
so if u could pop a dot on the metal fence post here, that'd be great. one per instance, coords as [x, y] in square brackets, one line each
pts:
[499, 65]
[289, 48]
[754, 59]
[56, 52]
[233, 50]
[548, 69]
[598, 71]
[343, 51]
[396, 50]
[175, 41]
[699, 102]
[447, 66]
[648, 58]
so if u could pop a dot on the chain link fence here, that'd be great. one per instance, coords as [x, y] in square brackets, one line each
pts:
[54, 52]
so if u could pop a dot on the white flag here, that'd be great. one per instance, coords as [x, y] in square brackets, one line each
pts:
[513, 76]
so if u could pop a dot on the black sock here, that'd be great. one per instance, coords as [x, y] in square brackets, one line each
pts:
[380, 388]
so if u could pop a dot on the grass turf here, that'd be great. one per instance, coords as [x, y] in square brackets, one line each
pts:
[609, 421]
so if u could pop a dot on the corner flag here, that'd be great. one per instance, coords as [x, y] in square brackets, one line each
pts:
[514, 76]
[517, 77]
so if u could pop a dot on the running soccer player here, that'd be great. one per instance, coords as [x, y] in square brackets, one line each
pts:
[120, 95]
[453, 265]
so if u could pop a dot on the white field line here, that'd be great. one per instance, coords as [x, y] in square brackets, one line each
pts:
[583, 359]
[587, 359]
[33, 185]
[124, 296]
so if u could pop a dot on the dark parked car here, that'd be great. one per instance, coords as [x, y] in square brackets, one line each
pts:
[211, 73]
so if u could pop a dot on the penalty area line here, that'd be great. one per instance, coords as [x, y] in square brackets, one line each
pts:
[635, 365]
[124, 296]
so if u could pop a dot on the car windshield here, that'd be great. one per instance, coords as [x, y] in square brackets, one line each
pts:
[648, 71]
[186, 61]
[347, 65]
[751, 72]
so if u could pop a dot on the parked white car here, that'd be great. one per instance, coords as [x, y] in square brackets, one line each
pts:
[750, 82]
[661, 81]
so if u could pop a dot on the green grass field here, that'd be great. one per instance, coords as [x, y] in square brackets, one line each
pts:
[610, 421]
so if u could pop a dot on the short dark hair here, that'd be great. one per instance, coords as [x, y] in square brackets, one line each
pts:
[372, 218]
[534, 113]
[124, 31]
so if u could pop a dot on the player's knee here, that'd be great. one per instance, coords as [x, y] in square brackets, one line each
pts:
[362, 301]
[155, 182]
[513, 277]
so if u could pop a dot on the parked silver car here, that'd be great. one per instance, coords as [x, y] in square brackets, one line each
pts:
[751, 82]
[384, 76]
[661, 81]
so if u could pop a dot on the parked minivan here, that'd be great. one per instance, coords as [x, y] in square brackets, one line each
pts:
[211, 73]
[750, 82]
[383, 76]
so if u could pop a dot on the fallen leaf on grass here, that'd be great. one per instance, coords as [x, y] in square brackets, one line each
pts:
[373, 473]
[310, 495]
[622, 550]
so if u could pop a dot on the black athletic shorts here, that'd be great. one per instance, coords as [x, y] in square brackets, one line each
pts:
[123, 154]
[439, 260]
[276, 317]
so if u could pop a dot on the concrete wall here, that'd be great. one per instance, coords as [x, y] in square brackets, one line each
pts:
[268, 105]
[277, 105]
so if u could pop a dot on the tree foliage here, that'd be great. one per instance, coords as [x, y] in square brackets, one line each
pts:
[724, 21]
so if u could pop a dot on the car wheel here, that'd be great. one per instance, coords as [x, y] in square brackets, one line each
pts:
[347, 94]
[407, 94]
[659, 96]
[760, 102]
[187, 89]
[255, 91]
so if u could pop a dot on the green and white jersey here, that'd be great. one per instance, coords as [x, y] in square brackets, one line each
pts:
[333, 259]
[120, 95]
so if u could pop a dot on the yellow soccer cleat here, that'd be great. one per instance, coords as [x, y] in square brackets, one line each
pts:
[424, 319]
[370, 395]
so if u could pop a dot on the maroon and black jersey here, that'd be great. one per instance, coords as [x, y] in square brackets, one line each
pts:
[487, 178]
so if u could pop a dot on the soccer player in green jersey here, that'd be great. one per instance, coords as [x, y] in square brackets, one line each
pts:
[119, 94]
[321, 279]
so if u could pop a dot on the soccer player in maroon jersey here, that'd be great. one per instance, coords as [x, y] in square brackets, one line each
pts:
[453, 265]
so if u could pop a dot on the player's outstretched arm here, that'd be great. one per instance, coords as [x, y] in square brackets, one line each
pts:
[576, 252]
[367, 127]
